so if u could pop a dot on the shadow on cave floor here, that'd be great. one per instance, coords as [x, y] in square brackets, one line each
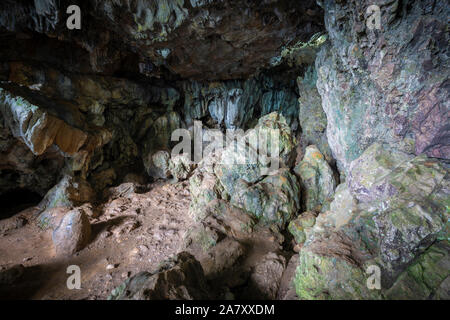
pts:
[24, 283]
[15, 200]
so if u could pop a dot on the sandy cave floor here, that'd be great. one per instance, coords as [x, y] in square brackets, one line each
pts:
[131, 233]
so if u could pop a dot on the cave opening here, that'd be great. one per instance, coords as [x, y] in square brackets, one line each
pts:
[15, 200]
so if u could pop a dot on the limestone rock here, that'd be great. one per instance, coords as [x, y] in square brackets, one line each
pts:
[300, 226]
[19, 167]
[69, 192]
[233, 104]
[274, 200]
[287, 288]
[222, 257]
[73, 233]
[237, 174]
[266, 278]
[312, 118]
[51, 217]
[392, 230]
[181, 278]
[229, 219]
[157, 165]
[372, 91]
[317, 179]
[243, 161]
[37, 128]
[204, 187]
[180, 167]
[380, 174]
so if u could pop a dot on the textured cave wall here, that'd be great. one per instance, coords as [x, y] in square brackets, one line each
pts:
[20, 168]
[202, 40]
[389, 85]
[108, 96]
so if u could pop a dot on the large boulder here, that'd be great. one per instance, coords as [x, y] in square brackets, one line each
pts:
[317, 179]
[157, 164]
[180, 278]
[273, 200]
[300, 226]
[261, 185]
[388, 84]
[205, 187]
[180, 167]
[399, 227]
[73, 233]
[271, 142]
[266, 277]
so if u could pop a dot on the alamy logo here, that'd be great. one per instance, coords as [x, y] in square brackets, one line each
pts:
[74, 20]
[374, 17]
[374, 280]
[256, 146]
[74, 281]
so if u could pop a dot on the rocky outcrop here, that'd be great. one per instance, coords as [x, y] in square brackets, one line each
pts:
[49, 138]
[388, 85]
[38, 129]
[20, 168]
[180, 278]
[266, 278]
[108, 103]
[312, 118]
[87, 107]
[398, 224]
[162, 165]
[234, 104]
[317, 179]
[244, 176]
[69, 192]
[300, 226]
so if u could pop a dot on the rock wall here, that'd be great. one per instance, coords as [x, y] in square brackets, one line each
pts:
[202, 40]
[111, 94]
[392, 216]
[388, 85]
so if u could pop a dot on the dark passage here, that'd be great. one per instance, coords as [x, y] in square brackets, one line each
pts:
[16, 200]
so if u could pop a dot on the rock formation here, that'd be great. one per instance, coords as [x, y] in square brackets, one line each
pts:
[312, 148]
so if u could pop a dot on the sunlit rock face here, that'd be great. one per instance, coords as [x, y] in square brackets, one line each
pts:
[388, 85]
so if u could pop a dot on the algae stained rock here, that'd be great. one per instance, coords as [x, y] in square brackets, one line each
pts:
[396, 231]
[317, 179]
[387, 85]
